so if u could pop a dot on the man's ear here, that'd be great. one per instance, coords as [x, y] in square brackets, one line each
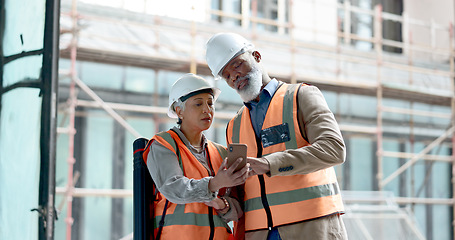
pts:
[257, 56]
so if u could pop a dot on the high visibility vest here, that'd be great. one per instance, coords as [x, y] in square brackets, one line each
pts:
[280, 200]
[191, 220]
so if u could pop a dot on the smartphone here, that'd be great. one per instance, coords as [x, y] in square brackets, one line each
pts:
[235, 151]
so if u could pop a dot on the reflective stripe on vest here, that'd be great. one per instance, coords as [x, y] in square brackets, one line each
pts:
[290, 198]
[192, 219]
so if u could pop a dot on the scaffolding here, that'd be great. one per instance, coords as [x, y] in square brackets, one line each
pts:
[340, 55]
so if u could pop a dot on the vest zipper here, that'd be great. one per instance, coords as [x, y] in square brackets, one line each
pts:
[265, 203]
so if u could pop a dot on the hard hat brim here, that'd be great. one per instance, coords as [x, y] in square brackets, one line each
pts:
[219, 76]
[216, 93]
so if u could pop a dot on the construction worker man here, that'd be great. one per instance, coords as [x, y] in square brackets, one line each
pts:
[189, 170]
[293, 143]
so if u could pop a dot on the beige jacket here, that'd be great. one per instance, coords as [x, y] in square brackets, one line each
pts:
[319, 126]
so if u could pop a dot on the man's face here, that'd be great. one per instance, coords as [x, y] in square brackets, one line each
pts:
[244, 75]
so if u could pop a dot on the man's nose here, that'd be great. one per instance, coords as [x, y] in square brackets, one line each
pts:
[234, 77]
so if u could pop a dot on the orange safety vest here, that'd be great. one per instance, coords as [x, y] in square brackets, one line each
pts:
[191, 220]
[280, 200]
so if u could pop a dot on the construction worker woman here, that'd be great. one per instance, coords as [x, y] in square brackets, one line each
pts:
[189, 171]
[293, 143]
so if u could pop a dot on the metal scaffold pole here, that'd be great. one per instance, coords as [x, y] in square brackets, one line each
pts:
[451, 60]
[378, 49]
[72, 101]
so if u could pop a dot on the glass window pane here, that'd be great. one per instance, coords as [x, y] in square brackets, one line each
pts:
[227, 95]
[361, 164]
[20, 120]
[442, 218]
[22, 69]
[440, 185]
[220, 127]
[390, 165]
[140, 80]
[24, 26]
[396, 104]
[98, 174]
[367, 109]
[61, 176]
[165, 81]
[61, 173]
[64, 65]
[101, 75]
[417, 171]
[147, 128]
[20, 163]
[332, 100]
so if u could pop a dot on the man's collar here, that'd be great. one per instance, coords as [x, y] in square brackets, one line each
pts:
[271, 87]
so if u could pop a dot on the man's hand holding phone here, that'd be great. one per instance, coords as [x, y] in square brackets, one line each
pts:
[258, 166]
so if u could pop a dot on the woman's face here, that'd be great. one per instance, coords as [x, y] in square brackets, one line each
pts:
[198, 112]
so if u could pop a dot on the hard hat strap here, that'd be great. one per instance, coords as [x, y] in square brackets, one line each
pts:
[206, 90]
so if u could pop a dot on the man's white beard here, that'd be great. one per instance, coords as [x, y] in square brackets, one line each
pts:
[253, 87]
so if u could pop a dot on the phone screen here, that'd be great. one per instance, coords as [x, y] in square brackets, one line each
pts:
[235, 151]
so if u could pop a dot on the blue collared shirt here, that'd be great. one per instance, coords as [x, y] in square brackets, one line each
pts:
[259, 109]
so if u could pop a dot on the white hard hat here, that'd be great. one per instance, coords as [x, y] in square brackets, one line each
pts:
[184, 86]
[222, 48]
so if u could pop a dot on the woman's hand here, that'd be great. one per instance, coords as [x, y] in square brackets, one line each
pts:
[219, 205]
[216, 203]
[226, 177]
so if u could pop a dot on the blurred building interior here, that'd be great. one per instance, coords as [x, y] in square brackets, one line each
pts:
[385, 67]
[390, 90]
